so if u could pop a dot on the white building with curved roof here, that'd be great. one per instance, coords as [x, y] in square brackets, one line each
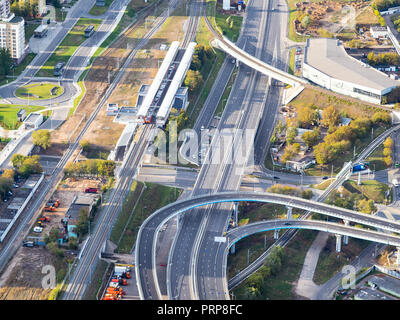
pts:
[327, 64]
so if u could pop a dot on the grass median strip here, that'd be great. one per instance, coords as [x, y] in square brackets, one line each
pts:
[100, 10]
[137, 208]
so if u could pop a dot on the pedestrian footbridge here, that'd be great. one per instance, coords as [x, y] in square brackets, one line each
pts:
[242, 56]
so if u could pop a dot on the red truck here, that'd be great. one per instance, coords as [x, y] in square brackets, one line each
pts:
[44, 219]
[91, 190]
[121, 282]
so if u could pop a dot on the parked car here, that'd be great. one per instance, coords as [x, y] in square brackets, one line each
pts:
[37, 229]
[28, 244]
[91, 190]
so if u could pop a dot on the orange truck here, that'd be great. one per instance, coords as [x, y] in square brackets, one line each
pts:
[116, 291]
[44, 219]
[49, 209]
[121, 282]
[109, 296]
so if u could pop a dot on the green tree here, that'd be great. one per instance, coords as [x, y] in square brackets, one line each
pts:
[387, 152]
[307, 194]
[30, 166]
[361, 127]
[5, 186]
[52, 236]
[85, 144]
[291, 134]
[307, 116]
[274, 260]
[290, 151]
[55, 250]
[388, 161]
[6, 62]
[388, 143]
[330, 117]
[372, 59]
[17, 160]
[306, 21]
[381, 117]
[41, 138]
[72, 243]
[106, 168]
[195, 64]
[366, 206]
[193, 80]
[311, 138]
[82, 224]
[323, 153]
[9, 173]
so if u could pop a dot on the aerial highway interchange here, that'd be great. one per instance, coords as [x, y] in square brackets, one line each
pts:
[228, 171]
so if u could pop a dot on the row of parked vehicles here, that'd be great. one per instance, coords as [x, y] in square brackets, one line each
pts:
[49, 207]
[120, 278]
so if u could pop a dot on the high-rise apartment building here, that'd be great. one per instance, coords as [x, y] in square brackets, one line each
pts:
[12, 32]
[4, 9]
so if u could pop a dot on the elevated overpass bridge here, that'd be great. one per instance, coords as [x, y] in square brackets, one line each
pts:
[236, 234]
[242, 56]
[145, 252]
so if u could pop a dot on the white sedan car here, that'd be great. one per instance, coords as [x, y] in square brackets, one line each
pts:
[37, 229]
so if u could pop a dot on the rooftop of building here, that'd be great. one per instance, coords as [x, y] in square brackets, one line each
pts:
[387, 283]
[392, 8]
[371, 294]
[33, 117]
[31, 181]
[16, 19]
[329, 57]
[378, 28]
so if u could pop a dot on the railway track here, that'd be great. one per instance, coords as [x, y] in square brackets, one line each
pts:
[193, 22]
[12, 242]
[89, 257]
[79, 281]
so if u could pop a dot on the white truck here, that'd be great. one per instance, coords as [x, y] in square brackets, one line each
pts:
[395, 182]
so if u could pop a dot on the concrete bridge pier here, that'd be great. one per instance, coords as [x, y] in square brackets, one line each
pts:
[276, 234]
[338, 242]
[346, 238]
[289, 212]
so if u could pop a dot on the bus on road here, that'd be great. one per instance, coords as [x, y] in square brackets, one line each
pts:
[89, 31]
[41, 31]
